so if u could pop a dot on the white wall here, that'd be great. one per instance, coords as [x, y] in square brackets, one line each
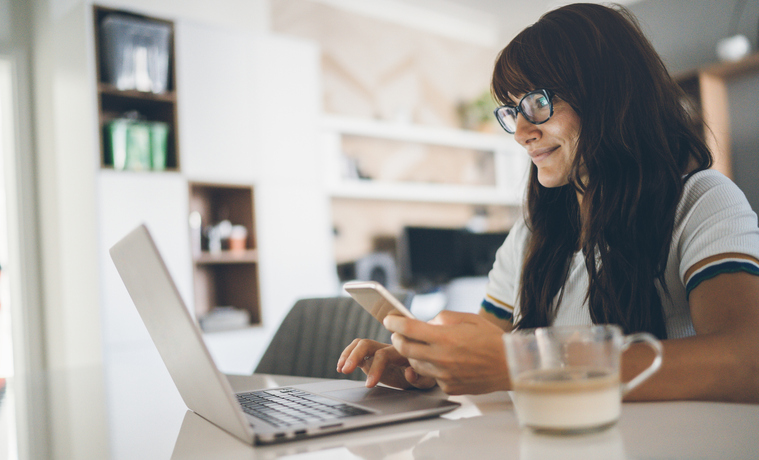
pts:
[66, 145]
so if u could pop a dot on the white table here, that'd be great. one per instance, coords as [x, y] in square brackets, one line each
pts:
[486, 427]
[147, 420]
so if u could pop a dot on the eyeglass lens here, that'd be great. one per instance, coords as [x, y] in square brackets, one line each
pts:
[535, 107]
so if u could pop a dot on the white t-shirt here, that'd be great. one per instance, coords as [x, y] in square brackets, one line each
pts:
[712, 218]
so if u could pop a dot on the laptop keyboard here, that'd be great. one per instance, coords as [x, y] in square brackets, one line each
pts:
[289, 406]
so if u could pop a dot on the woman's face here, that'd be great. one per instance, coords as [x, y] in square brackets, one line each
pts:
[552, 145]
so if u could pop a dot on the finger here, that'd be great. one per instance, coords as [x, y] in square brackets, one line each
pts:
[425, 369]
[419, 381]
[376, 367]
[411, 328]
[410, 348]
[411, 376]
[344, 355]
[447, 317]
[357, 356]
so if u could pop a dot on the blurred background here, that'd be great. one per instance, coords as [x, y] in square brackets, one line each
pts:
[275, 149]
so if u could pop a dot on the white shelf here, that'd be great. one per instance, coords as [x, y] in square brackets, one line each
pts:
[510, 163]
[405, 132]
[423, 192]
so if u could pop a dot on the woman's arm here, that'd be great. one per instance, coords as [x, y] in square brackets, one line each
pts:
[719, 363]
[505, 324]
[465, 353]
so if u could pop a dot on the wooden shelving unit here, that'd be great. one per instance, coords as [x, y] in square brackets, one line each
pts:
[113, 103]
[228, 278]
[706, 89]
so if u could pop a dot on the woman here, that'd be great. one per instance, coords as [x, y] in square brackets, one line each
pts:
[623, 224]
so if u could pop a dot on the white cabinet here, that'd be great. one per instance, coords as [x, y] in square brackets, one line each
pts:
[216, 107]
[124, 200]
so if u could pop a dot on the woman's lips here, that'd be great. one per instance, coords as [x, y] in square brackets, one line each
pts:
[540, 154]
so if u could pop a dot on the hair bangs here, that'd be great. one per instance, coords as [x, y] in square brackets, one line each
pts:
[529, 63]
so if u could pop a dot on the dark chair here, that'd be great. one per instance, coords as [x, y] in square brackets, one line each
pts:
[314, 333]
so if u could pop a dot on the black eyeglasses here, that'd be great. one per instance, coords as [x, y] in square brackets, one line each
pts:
[536, 107]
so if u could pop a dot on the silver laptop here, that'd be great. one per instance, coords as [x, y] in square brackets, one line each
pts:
[258, 417]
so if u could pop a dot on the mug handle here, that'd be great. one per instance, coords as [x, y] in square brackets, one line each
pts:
[655, 344]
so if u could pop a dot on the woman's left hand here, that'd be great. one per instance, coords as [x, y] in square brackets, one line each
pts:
[463, 352]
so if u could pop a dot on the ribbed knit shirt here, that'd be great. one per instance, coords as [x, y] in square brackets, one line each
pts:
[713, 219]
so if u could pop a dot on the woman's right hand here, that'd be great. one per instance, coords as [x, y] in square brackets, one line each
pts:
[381, 363]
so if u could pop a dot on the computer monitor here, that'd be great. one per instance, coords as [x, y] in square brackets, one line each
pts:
[429, 256]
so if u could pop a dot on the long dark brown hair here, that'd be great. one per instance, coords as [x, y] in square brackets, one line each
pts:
[637, 146]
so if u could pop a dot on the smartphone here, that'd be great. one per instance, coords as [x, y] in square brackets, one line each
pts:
[376, 299]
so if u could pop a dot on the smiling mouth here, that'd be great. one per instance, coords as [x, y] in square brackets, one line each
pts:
[541, 154]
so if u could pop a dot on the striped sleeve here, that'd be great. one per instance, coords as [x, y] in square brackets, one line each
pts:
[717, 230]
[717, 267]
[497, 308]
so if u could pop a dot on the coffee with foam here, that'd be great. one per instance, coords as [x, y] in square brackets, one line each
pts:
[566, 379]
[567, 399]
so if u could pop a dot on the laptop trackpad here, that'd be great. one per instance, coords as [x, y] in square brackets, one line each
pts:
[357, 395]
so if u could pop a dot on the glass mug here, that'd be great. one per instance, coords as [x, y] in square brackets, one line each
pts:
[567, 379]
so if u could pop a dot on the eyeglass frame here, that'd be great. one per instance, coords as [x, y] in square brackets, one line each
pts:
[546, 92]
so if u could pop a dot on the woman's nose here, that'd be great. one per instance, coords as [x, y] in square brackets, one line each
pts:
[526, 132]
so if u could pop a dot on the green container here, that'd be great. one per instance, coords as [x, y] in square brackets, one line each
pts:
[116, 153]
[138, 147]
[159, 134]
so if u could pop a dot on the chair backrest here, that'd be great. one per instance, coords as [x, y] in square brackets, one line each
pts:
[310, 339]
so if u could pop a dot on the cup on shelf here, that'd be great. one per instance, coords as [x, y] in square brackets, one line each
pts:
[238, 238]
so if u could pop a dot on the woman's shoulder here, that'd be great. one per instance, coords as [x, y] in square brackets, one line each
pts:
[711, 202]
[706, 179]
[520, 231]
[710, 188]
[517, 239]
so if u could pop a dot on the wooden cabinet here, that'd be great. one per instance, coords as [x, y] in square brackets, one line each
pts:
[225, 273]
[706, 89]
[150, 107]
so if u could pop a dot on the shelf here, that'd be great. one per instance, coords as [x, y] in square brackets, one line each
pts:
[108, 89]
[726, 69]
[229, 277]
[418, 134]
[707, 91]
[421, 192]
[509, 160]
[249, 256]
[114, 103]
